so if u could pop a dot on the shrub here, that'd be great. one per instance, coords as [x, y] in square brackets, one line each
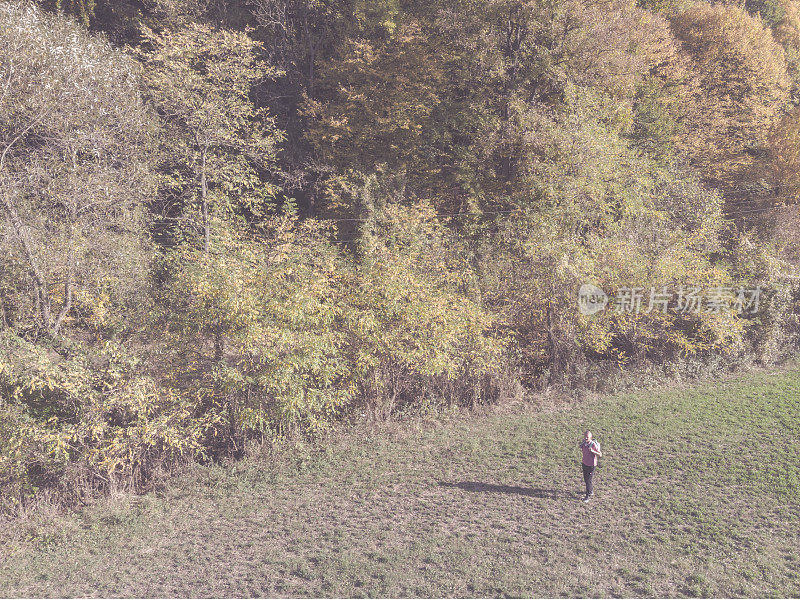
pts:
[86, 421]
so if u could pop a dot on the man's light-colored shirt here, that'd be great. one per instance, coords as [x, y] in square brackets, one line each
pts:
[589, 458]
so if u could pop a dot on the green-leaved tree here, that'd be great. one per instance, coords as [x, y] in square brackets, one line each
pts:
[220, 145]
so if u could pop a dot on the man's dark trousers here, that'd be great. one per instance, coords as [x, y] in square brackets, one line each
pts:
[588, 475]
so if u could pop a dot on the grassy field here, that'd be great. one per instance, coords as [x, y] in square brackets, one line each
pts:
[698, 496]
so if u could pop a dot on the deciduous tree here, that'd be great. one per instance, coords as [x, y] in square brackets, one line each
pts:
[75, 139]
[220, 146]
[743, 90]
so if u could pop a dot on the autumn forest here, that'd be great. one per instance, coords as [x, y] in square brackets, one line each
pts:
[225, 222]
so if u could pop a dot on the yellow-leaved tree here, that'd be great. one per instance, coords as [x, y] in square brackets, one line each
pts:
[743, 90]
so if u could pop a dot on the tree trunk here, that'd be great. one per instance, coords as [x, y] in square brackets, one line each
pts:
[219, 346]
[39, 285]
[204, 197]
[312, 51]
[555, 366]
[68, 281]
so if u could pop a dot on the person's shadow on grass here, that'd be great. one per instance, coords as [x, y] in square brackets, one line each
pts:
[490, 488]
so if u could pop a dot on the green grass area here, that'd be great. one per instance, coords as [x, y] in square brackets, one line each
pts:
[698, 496]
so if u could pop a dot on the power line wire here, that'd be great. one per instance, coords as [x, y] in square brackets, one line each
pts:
[436, 215]
[755, 211]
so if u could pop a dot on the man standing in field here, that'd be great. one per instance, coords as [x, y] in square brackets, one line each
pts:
[591, 451]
